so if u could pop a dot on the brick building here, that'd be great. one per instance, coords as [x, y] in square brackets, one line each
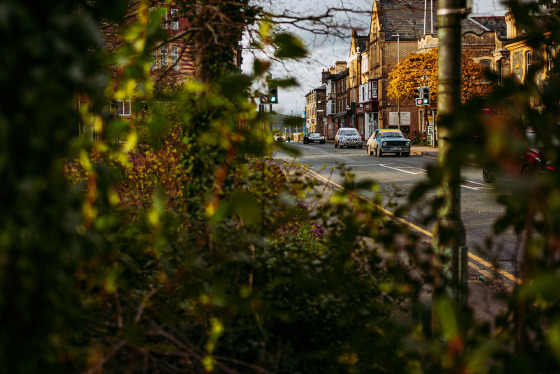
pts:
[315, 110]
[398, 29]
[330, 78]
[396, 26]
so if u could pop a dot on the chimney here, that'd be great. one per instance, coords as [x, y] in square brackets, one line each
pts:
[340, 66]
[324, 75]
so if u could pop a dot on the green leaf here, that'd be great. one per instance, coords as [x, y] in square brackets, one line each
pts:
[289, 46]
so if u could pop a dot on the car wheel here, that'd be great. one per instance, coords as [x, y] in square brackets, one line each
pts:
[407, 154]
[335, 145]
[361, 146]
[487, 173]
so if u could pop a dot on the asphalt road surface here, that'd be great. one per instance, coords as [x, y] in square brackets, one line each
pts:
[397, 176]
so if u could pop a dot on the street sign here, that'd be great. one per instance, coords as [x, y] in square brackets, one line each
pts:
[419, 101]
[394, 118]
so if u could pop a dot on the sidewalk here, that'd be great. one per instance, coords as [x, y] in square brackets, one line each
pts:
[424, 151]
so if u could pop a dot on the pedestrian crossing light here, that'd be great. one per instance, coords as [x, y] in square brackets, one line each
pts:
[426, 95]
[418, 96]
[273, 95]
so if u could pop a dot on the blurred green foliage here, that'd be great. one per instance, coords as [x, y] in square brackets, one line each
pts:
[176, 243]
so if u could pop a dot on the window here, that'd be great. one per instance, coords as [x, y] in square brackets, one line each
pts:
[123, 107]
[165, 22]
[527, 61]
[374, 89]
[486, 62]
[163, 56]
[174, 19]
[175, 57]
[154, 60]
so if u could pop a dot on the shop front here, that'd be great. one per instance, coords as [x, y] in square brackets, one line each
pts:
[371, 118]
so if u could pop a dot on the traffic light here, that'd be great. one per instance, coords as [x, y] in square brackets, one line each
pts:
[418, 96]
[426, 95]
[273, 95]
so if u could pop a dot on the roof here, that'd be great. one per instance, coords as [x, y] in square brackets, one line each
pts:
[493, 24]
[362, 42]
[406, 18]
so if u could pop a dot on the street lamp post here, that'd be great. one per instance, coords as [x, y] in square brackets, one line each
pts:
[398, 60]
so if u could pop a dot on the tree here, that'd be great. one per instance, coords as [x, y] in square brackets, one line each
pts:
[420, 69]
[242, 270]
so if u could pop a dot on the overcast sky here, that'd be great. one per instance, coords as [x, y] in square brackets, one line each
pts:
[325, 51]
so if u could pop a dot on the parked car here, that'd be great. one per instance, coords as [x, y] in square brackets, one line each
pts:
[313, 137]
[388, 141]
[279, 137]
[531, 162]
[348, 137]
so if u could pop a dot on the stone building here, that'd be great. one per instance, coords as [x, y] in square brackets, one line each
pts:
[356, 76]
[315, 110]
[396, 26]
[330, 77]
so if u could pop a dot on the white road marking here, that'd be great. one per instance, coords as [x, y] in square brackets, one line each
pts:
[404, 171]
[482, 185]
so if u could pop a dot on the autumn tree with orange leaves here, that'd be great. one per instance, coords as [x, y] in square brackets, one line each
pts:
[408, 74]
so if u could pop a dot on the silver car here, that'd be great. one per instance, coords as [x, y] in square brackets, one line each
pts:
[348, 137]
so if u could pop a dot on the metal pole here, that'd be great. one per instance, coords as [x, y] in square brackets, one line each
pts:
[449, 232]
[398, 60]
[425, 4]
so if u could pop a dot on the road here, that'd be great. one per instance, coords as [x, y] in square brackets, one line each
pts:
[397, 176]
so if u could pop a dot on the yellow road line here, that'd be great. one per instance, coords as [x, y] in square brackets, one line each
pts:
[425, 232]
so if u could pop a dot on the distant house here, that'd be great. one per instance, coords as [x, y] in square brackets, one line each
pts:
[396, 26]
[333, 78]
[315, 110]
[172, 63]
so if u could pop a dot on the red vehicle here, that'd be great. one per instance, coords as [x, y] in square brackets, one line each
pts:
[531, 162]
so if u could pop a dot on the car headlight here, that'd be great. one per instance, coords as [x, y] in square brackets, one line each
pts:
[408, 143]
[383, 144]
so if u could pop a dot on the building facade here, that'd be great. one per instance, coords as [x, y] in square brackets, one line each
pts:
[315, 110]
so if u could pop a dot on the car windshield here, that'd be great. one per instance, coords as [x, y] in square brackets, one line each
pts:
[314, 134]
[349, 132]
[392, 134]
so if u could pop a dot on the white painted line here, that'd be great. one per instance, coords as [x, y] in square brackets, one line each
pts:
[480, 184]
[404, 171]
[471, 188]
